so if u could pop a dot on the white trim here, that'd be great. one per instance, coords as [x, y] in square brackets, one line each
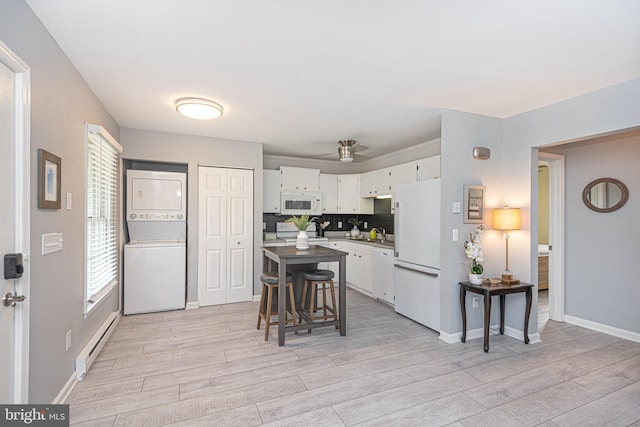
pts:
[22, 162]
[191, 305]
[66, 390]
[99, 130]
[479, 333]
[256, 298]
[450, 338]
[605, 329]
[99, 298]
[556, 235]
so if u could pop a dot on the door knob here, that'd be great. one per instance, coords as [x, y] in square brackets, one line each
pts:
[10, 300]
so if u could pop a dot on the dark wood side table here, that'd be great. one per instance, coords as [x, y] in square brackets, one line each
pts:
[488, 292]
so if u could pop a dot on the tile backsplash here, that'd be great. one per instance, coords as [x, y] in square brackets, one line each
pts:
[382, 218]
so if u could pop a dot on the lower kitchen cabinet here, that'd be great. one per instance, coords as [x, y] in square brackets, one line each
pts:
[359, 264]
[383, 276]
[333, 266]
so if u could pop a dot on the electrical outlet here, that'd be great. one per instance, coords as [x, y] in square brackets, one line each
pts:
[68, 341]
[476, 301]
[339, 224]
[264, 225]
[365, 225]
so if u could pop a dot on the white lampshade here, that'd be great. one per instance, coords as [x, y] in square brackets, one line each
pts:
[200, 109]
[506, 218]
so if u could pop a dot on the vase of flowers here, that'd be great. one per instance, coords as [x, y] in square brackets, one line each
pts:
[473, 249]
[301, 223]
[355, 231]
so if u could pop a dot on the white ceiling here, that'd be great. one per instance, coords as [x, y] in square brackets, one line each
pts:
[299, 75]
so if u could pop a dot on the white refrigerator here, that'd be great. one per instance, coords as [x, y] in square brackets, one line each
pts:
[417, 251]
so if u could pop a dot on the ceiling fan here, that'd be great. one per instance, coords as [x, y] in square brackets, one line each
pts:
[346, 150]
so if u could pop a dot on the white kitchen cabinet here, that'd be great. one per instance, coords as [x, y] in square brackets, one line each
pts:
[340, 194]
[299, 179]
[383, 275]
[429, 168]
[359, 263]
[348, 194]
[271, 191]
[329, 190]
[403, 173]
[375, 183]
[333, 266]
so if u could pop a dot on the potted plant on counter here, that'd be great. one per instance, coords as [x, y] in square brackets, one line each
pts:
[355, 231]
[301, 223]
[473, 249]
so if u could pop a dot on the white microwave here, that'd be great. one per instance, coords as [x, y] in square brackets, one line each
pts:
[300, 203]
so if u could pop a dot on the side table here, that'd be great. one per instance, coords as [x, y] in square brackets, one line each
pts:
[488, 292]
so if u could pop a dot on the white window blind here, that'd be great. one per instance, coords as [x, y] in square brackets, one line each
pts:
[102, 209]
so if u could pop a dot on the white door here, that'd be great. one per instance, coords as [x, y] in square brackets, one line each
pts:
[14, 176]
[225, 235]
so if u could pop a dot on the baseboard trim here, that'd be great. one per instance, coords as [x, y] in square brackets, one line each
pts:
[479, 333]
[256, 298]
[192, 305]
[605, 329]
[66, 389]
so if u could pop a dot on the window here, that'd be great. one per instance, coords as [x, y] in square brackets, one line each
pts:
[102, 187]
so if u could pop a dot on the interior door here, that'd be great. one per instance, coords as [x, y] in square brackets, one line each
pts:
[14, 174]
[225, 235]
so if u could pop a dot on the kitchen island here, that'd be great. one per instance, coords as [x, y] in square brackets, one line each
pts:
[284, 256]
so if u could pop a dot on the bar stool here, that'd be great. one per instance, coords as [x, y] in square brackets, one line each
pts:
[269, 283]
[315, 281]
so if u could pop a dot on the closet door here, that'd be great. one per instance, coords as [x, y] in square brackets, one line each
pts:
[225, 235]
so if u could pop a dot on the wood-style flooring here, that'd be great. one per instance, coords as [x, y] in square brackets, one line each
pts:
[211, 367]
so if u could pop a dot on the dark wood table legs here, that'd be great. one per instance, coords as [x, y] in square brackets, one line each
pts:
[487, 292]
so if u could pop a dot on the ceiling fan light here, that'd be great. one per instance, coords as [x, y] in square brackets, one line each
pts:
[198, 108]
[346, 155]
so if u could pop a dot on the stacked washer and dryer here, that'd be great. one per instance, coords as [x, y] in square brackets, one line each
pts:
[155, 257]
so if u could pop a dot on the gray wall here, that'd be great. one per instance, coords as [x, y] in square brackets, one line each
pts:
[606, 292]
[60, 104]
[601, 112]
[194, 151]
[511, 177]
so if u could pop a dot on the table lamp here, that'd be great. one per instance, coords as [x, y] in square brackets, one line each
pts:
[507, 219]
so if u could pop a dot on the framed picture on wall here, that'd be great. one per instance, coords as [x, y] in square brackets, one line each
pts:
[49, 180]
[473, 203]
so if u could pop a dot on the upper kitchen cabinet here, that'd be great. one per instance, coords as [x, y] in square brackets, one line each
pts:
[403, 173]
[429, 168]
[341, 194]
[375, 183]
[329, 190]
[271, 191]
[299, 179]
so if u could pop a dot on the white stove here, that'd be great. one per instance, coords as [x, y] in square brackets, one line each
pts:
[287, 232]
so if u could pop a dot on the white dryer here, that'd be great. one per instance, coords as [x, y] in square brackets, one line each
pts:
[155, 257]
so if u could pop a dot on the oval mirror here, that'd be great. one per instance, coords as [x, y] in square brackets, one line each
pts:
[605, 195]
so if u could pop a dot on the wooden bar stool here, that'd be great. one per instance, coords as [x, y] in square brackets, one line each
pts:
[315, 281]
[269, 283]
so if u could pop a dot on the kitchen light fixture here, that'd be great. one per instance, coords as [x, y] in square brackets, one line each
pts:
[507, 219]
[198, 108]
[345, 151]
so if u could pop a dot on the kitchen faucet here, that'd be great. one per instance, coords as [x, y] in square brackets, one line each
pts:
[384, 233]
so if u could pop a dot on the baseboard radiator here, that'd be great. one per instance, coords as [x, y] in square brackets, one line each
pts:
[92, 349]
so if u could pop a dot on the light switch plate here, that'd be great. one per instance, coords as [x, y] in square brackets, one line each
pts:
[69, 201]
[454, 234]
[52, 242]
[455, 207]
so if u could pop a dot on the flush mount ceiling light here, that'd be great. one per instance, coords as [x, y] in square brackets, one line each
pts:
[198, 108]
[345, 151]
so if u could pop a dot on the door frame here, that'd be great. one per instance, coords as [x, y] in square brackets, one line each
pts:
[556, 234]
[22, 227]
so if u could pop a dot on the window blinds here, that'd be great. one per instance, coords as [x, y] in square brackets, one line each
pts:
[102, 208]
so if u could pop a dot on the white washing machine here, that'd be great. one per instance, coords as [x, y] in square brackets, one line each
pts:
[155, 257]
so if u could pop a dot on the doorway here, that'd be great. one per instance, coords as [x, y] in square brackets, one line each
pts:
[14, 229]
[550, 238]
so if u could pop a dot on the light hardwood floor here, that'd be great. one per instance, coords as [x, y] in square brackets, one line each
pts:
[211, 367]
